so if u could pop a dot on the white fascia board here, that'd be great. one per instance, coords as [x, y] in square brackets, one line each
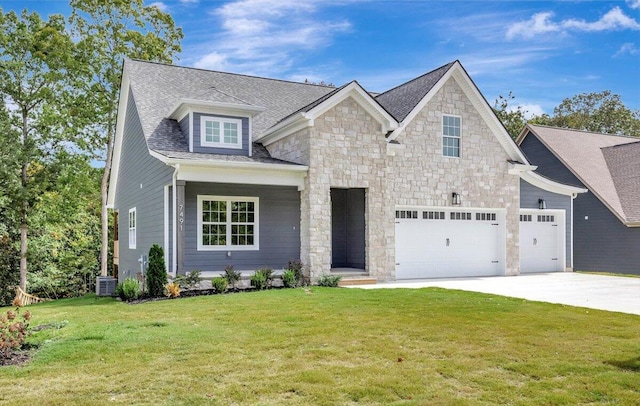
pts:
[550, 185]
[291, 125]
[245, 176]
[117, 141]
[458, 73]
[518, 168]
[364, 99]
[185, 105]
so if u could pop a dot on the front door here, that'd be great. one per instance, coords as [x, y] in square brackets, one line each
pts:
[347, 228]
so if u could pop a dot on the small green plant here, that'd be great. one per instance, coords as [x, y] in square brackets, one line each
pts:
[129, 289]
[14, 330]
[157, 271]
[232, 276]
[289, 279]
[219, 284]
[172, 290]
[297, 267]
[190, 280]
[261, 279]
[328, 280]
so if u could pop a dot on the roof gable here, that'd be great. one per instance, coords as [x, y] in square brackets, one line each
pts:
[456, 71]
[304, 116]
[583, 153]
[623, 162]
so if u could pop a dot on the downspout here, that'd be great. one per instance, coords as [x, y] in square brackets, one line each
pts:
[573, 220]
[174, 225]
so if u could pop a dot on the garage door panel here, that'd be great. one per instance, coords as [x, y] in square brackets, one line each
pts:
[541, 242]
[447, 247]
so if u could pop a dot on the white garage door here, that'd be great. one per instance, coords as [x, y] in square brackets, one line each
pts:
[445, 243]
[541, 241]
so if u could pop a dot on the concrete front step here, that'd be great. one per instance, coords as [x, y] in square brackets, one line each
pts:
[359, 280]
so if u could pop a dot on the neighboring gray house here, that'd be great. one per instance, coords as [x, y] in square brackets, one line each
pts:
[607, 219]
[419, 181]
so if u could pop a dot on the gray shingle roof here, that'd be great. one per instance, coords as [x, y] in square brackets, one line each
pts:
[158, 88]
[624, 165]
[584, 154]
[400, 100]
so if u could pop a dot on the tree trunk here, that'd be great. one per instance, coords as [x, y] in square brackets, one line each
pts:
[104, 189]
[25, 206]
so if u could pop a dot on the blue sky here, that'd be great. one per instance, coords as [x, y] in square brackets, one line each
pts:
[542, 51]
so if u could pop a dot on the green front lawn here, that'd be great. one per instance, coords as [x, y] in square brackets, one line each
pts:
[328, 346]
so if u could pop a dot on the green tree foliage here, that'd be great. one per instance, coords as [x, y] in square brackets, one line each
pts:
[108, 32]
[157, 272]
[602, 112]
[65, 227]
[513, 119]
[36, 80]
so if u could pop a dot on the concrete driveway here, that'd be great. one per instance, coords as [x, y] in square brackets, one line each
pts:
[612, 293]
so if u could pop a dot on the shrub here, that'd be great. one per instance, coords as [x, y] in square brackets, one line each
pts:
[289, 279]
[129, 289]
[297, 267]
[219, 284]
[259, 280]
[231, 275]
[329, 280]
[190, 280]
[172, 290]
[156, 272]
[13, 332]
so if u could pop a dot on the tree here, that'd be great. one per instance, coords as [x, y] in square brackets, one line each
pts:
[601, 112]
[512, 119]
[110, 31]
[157, 272]
[35, 75]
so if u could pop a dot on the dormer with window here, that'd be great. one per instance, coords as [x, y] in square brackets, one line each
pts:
[215, 127]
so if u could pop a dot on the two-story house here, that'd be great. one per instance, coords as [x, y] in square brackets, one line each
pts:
[419, 181]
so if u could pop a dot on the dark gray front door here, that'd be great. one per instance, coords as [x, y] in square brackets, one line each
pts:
[348, 228]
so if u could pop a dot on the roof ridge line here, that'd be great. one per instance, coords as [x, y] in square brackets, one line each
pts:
[170, 65]
[583, 131]
[416, 78]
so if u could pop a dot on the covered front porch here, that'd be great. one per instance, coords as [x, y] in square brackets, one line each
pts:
[247, 218]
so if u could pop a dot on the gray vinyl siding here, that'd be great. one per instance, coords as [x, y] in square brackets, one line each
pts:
[184, 127]
[548, 164]
[347, 228]
[212, 150]
[601, 243]
[279, 228]
[141, 182]
[529, 196]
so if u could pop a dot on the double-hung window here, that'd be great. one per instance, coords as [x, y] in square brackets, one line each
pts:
[132, 228]
[221, 132]
[227, 223]
[451, 131]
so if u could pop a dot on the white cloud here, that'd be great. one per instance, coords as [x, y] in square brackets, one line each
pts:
[539, 23]
[542, 23]
[613, 20]
[627, 48]
[160, 5]
[264, 37]
[633, 3]
[529, 110]
[187, 2]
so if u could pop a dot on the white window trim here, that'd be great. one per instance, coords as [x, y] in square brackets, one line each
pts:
[229, 247]
[222, 121]
[449, 136]
[132, 230]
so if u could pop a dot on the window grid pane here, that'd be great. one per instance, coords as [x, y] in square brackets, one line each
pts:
[212, 131]
[230, 133]
[451, 132]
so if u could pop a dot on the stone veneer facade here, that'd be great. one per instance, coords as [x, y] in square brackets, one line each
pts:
[346, 149]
